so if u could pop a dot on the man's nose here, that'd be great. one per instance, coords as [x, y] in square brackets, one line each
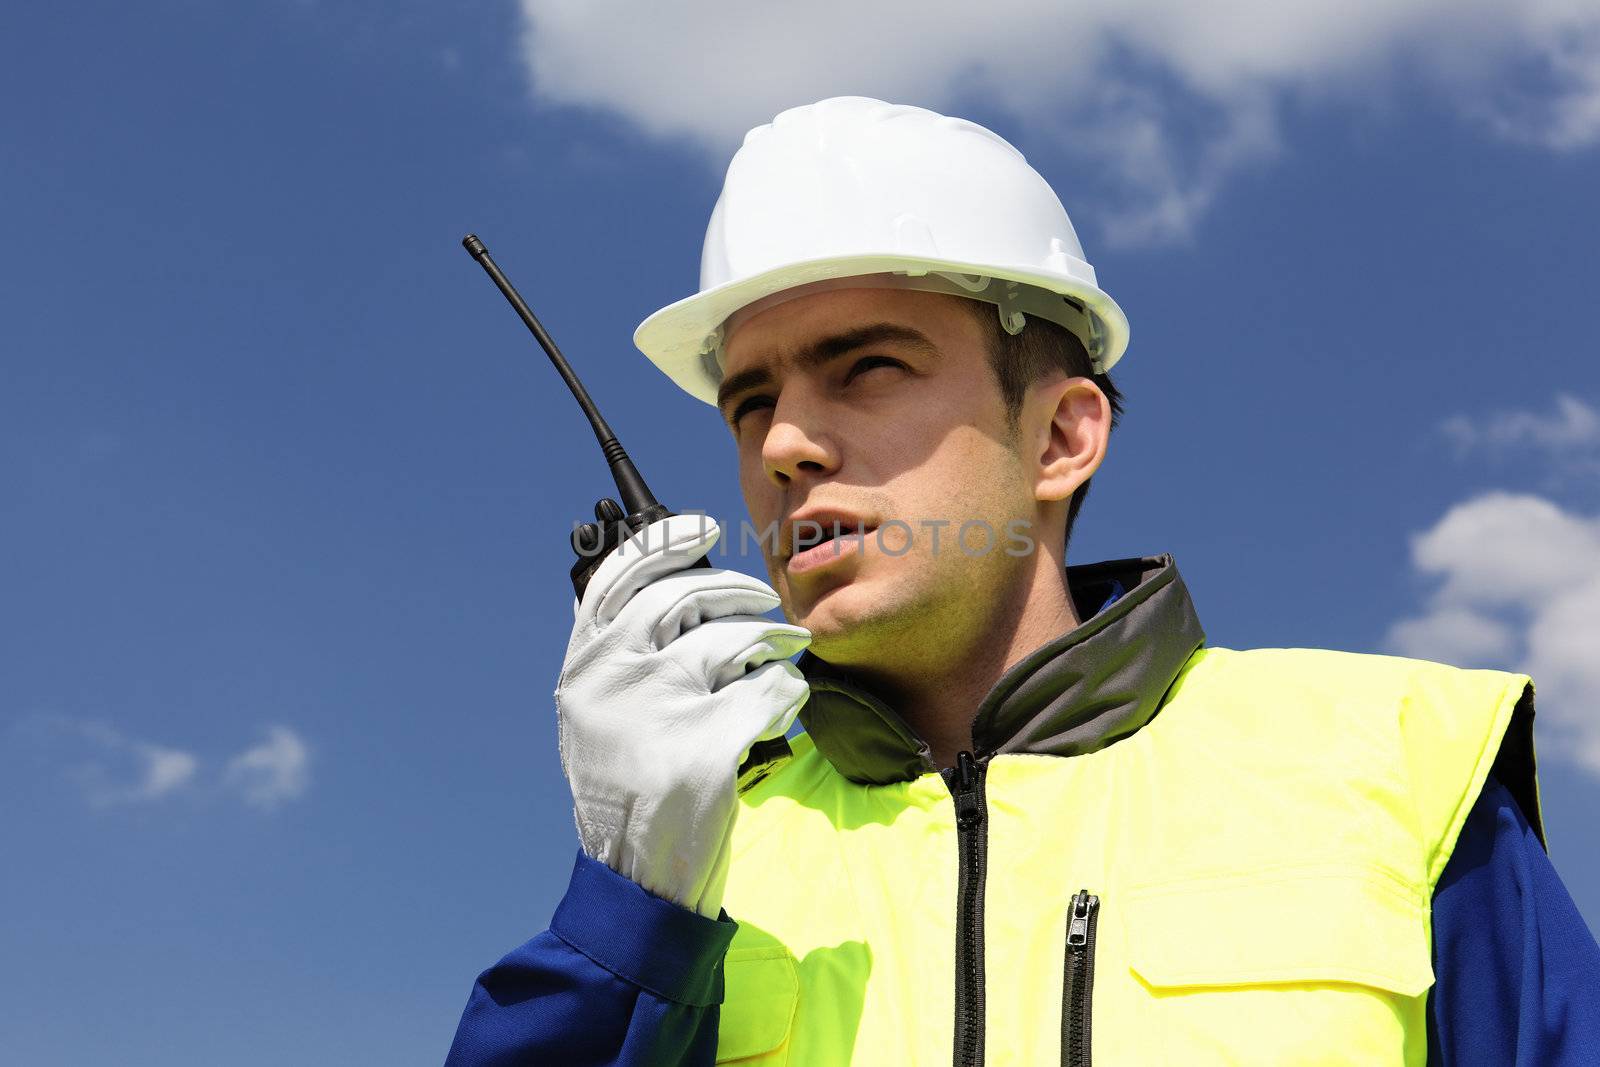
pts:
[798, 442]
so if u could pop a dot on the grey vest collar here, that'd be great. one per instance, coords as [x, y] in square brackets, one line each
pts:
[1077, 693]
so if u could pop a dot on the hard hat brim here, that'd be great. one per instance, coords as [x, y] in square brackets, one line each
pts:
[674, 337]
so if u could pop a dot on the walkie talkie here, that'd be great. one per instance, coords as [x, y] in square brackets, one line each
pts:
[614, 522]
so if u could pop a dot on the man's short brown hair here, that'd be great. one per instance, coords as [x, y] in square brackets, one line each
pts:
[1019, 360]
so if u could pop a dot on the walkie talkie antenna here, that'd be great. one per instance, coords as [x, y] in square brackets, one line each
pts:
[636, 496]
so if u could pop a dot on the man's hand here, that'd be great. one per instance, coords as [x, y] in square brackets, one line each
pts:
[671, 675]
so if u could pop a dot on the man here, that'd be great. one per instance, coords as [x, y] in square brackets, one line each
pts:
[1033, 817]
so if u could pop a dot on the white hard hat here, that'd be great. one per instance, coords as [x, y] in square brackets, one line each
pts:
[856, 188]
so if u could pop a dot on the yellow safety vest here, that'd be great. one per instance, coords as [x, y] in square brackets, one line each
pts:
[1159, 853]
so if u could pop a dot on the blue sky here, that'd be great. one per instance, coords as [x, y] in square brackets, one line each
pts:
[285, 489]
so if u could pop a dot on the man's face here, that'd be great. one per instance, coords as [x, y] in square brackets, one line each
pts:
[876, 407]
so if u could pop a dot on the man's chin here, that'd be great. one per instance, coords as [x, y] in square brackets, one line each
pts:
[842, 616]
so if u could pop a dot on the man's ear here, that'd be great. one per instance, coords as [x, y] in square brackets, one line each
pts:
[1071, 423]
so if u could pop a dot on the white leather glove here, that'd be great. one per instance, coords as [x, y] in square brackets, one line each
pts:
[671, 675]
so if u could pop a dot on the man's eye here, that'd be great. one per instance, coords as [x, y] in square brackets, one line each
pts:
[867, 362]
[746, 405]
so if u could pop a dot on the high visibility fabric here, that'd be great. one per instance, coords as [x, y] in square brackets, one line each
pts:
[1264, 850]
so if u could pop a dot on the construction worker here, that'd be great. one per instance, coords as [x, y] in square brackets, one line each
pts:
[1033, 817]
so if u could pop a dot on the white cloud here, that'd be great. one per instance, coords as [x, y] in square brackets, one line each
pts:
[1573, 427]
[112, 769]
[125, 770]
[1519, 589]
[1165, 98]
[1454, 635]
[275, 771]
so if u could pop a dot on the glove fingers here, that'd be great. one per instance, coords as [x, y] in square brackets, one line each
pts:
[674, 604]
[764, 705]
[786, 692]
[775, 645]
[720, 651]
[664, 546]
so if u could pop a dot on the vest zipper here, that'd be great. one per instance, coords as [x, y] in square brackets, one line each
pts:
[965, 780]
[1077, 986]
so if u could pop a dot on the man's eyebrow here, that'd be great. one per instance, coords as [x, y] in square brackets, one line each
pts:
[830, 348]
[824, 351]
[735, 384]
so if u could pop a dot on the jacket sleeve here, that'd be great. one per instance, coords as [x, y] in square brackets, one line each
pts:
[621, 977]
[1517, 971]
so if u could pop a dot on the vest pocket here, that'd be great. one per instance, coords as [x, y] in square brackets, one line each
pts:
[762, 987]
[1311, 923]
[1312, 963]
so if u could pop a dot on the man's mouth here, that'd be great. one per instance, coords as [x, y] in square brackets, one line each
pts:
[814, 553]
[806, 541]
[804, 532]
